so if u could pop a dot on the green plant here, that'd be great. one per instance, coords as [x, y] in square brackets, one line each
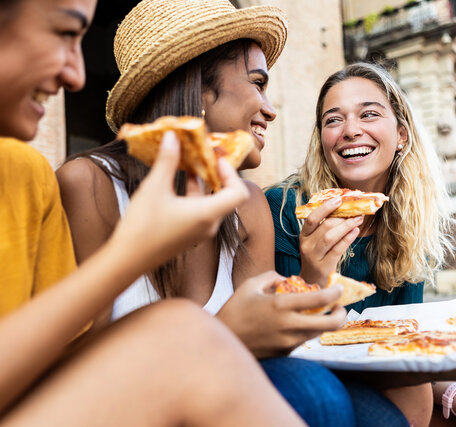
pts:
[352, 23]
[388, 10]
[370, 21]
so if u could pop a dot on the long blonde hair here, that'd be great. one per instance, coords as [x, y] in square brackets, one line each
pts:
[413, 229]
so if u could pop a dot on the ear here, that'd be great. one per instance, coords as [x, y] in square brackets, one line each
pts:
[402, 136]
[207, 99]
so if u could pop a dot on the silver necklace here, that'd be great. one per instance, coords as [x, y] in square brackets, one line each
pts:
[351, 248]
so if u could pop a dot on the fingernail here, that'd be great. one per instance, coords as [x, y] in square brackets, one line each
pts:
[169, 141]
[359, 219]
[336, 201]
[339, 287]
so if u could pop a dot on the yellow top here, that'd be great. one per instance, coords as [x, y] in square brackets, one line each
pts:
[35, 241]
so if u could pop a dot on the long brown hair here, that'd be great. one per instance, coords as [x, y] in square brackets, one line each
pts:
[179, 94]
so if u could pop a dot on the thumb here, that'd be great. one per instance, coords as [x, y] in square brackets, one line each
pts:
[168, 157]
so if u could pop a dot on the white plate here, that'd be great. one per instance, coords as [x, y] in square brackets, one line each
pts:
[430, 316]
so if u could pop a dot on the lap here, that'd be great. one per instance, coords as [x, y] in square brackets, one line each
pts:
[313, 391]
[118, 377]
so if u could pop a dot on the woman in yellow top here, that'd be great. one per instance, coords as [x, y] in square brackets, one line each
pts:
[35, 246]
[151, 353]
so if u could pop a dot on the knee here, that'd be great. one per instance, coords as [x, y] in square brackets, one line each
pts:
[183, 324]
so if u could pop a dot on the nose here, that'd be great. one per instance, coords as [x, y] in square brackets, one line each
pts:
[72, 76]
[352, 129]
[268, 110]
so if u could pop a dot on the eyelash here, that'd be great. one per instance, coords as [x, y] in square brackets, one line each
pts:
[70, 34]
[365, 114]
[371, 113]
[261, 84]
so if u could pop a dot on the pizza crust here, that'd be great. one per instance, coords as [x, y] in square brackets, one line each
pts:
[362, 331]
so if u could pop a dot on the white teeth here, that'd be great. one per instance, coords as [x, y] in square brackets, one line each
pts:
[40, 97]
[258, 130]
[356, 151]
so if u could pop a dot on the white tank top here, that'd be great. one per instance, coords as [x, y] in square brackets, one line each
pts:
[141, 292]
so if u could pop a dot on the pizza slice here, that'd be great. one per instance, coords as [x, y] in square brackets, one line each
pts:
[353, 291]
[197, 156]
[363, 331]
[426, 343]
[354, 203]
[295, 284]
[233, 146]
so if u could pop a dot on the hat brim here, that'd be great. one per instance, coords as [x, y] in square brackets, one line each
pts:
[267, 25]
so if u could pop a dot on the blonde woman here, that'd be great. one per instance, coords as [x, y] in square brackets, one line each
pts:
[366, 138]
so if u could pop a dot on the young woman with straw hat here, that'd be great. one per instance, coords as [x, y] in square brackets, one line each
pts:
[206, 58]
[150, 354]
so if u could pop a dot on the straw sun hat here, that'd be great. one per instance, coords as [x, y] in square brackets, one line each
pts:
[158, 36]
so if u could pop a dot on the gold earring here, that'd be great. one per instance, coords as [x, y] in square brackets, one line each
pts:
[203, 113]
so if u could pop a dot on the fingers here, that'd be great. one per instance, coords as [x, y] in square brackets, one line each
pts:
[264, 282]
[232, 194]
[195, 185]
[340, 247]
[319, 322]
[338, 237]
[165, 165]
[309, 300]
[319, 214]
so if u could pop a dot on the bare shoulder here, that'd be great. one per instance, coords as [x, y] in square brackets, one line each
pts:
[80, 171]
[256, 205]
[90, 201]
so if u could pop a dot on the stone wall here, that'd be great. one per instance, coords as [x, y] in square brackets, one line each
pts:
[313, 51]
[51, 137]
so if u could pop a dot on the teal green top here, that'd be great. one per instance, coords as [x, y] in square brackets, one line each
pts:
[288, 259]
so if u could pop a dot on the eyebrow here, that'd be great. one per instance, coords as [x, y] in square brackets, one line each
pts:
[262, 72]
[78, 15]
[362, 104]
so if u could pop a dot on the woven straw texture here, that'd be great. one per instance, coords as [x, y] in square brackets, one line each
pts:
[158, 36]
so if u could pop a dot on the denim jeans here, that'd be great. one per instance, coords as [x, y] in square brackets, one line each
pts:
[320, 398]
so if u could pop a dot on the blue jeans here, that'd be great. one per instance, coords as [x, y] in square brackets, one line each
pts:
[319, 397]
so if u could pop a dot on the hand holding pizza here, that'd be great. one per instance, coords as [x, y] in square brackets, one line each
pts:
[323, 241]
[272, 324]
[159, 224]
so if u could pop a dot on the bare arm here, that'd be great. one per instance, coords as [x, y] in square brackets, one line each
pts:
[257, 233]
[91, 206]
[268, 324]
[34, 336]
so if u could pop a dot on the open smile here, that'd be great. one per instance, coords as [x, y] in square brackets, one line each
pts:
[259, 132]
[355, 153]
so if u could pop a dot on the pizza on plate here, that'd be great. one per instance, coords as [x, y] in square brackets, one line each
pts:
[199, 149]
[354, 203]
[363, 331]
[353, 291]
[426, 343]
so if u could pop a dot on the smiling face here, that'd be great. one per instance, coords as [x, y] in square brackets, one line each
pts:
[41, 46]
[241, 102]
[360, 134]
